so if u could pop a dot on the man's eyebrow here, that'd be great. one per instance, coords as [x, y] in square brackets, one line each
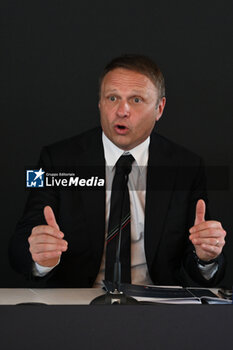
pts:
[139, 92]
[134, 91]
[111, 90]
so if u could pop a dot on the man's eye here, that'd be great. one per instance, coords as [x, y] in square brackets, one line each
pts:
[137, 100]
[112, 98]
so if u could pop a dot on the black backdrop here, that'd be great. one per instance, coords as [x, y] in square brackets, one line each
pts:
[51, 55]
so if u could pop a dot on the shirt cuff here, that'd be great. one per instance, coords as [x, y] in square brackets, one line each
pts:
[41, 271]
[208, 271]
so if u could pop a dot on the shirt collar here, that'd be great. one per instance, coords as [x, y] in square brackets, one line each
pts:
[112, 153]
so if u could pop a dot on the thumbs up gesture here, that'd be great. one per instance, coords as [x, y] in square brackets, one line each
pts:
[208, 237]
[46, 242]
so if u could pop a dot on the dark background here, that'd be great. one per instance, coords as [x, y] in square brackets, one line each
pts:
[51, 55]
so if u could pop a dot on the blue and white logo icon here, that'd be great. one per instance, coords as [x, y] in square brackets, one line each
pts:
[35, 178]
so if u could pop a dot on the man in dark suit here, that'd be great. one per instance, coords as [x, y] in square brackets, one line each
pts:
[171, 242]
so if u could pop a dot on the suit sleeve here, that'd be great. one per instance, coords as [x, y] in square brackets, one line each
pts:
[190, 271]
[19, 254]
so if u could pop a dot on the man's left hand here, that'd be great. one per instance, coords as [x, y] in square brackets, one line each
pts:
[208, 237]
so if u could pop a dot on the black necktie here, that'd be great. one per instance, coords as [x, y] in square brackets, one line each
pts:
[119, 213]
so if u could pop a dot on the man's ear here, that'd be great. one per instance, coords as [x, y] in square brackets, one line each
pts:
[160, 107]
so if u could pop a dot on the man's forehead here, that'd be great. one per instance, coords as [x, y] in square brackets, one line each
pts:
[127, 79]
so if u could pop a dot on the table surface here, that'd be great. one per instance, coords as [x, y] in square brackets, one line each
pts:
[53, 296]
[58, 296]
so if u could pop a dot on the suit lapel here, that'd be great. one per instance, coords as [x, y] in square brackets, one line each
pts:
[160, 181]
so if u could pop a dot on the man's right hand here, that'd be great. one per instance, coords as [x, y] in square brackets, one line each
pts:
[46, 241]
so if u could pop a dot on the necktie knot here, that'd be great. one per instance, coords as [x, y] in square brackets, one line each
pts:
[124, 164]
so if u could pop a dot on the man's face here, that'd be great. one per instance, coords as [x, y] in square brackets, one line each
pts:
[129, 107]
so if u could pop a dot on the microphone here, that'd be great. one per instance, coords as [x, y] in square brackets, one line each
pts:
[117, 297]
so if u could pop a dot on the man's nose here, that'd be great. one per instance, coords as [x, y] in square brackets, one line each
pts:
[123, 109]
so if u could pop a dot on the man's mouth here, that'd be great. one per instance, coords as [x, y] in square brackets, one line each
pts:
[121, 129]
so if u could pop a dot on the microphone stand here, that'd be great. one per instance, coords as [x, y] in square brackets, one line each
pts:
[116, 297]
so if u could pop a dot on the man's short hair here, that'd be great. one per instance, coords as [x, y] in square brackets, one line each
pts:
[138, 63]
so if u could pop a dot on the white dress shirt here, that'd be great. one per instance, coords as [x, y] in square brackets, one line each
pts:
[137, 193]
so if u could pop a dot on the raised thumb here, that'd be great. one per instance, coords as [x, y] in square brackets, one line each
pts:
[200, 212]
[50, 217]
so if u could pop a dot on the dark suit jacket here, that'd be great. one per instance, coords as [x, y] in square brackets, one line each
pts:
[175, 181]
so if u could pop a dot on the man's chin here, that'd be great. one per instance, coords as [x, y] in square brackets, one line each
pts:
[123, 143]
